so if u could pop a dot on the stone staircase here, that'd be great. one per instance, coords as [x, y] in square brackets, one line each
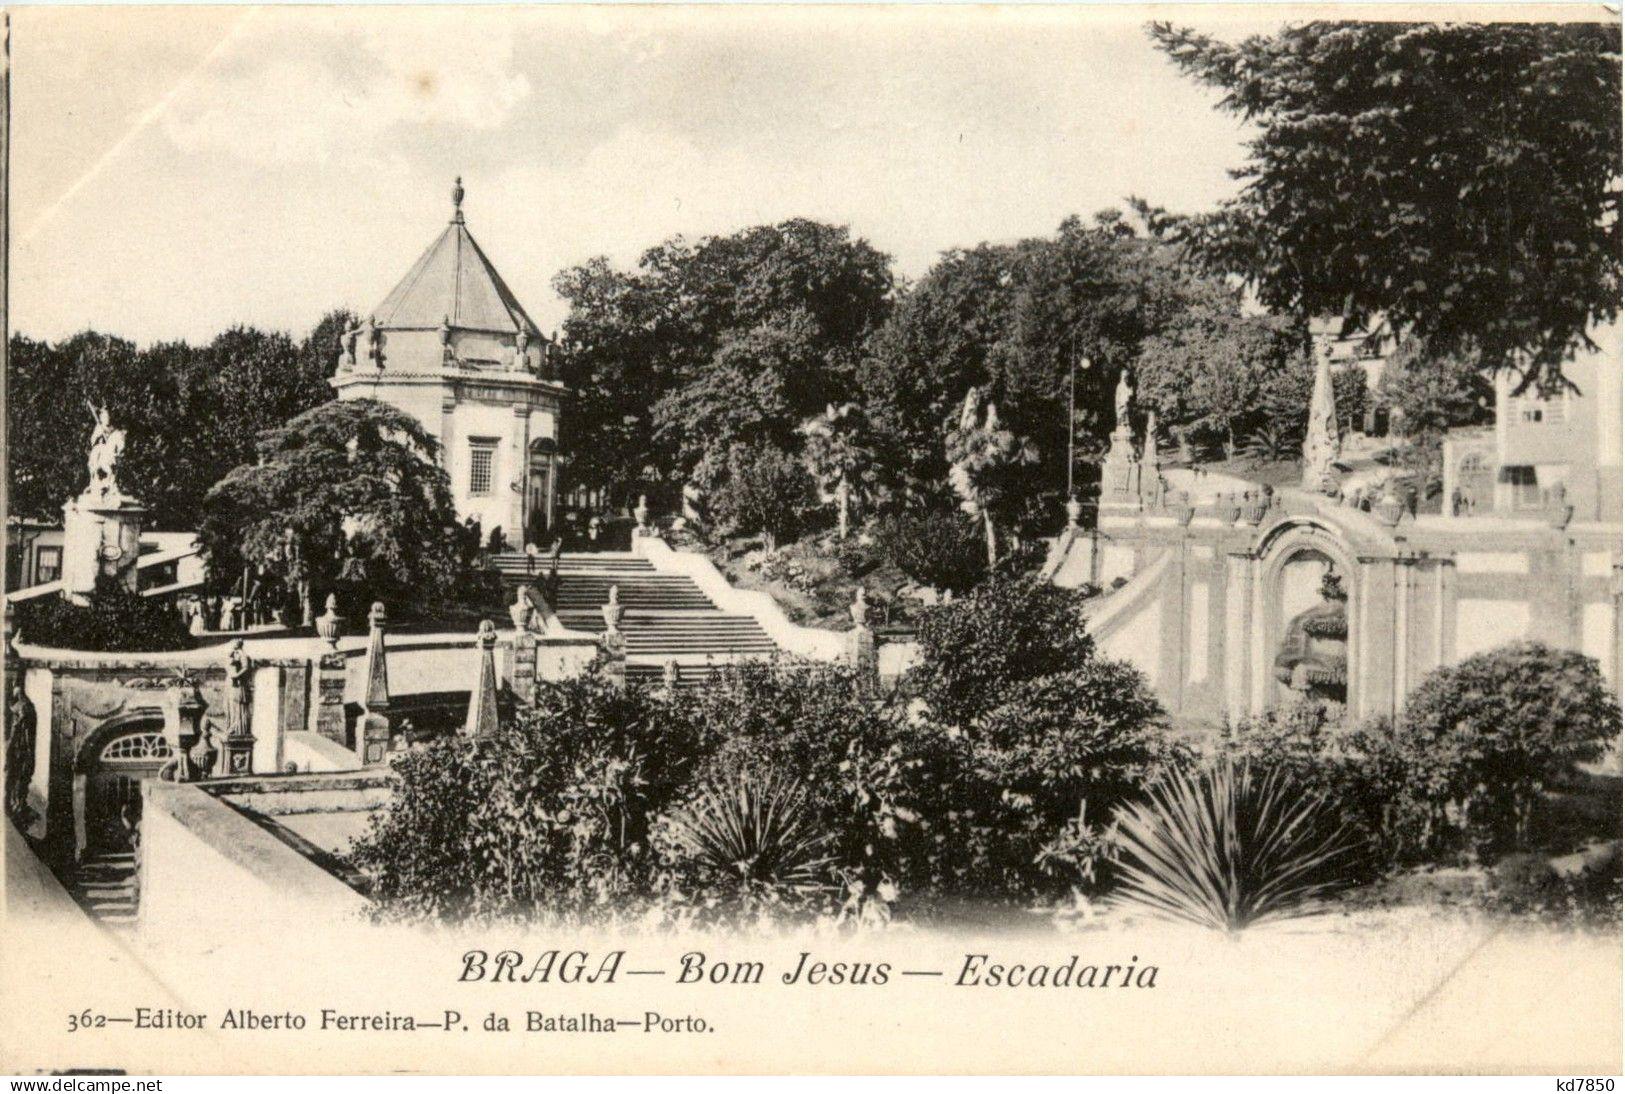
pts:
[104, 886]
[667, 616]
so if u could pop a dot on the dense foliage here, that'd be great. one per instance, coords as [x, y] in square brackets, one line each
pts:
[1007, 632]
[350, 494]
[938, 549]
[1464, 769]
[774, 789]
[728, 340]
[1464, 179]
[1479, 741]
[192, 413]
[114, 620]
[767, 491]
[1012, 321]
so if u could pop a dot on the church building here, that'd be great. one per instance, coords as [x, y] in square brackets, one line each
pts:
[452, 346]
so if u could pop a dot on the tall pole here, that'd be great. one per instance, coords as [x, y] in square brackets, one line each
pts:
[1071, 418]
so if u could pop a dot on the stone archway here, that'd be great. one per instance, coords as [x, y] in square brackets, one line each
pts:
[541, 473]
[112, 764]
[1294, 555]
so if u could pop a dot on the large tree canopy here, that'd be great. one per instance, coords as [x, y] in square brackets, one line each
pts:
[192, 413]
[731, 339]
[1010, 320]
[348, 493]
[1464, 179]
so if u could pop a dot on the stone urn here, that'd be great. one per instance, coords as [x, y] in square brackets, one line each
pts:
[1074, 509]
[330, 624]
[640, 513]
[1254, 506]
[203, 754]
[1390, 507]
[1179, 503]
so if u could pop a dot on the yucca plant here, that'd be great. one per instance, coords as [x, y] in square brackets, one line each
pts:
[1231, 847]
[754, 831]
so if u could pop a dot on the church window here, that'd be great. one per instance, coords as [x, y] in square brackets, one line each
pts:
[481, 458]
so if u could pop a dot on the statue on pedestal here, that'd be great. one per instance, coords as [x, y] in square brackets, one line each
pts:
[1125, 392]
[239, 667]
[106, 450]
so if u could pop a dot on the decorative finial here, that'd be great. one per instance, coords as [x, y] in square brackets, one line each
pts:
[457, 201]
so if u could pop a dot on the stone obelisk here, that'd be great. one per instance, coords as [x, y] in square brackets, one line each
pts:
[1321, 446]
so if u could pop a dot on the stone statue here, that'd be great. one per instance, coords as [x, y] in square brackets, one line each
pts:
[106, 450]
[860, 608]
[1125, 392]
[239, 669]
[967, 415]
[21, 725]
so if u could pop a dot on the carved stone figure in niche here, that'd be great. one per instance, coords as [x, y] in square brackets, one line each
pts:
[1313, 659]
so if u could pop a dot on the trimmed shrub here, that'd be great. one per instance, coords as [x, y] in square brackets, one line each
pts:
[939, 550]
[1009, 630]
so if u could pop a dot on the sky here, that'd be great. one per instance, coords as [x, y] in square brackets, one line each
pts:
[180, 170]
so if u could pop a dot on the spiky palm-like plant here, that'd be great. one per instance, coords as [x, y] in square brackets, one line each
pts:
[753, 830]
[1231, 847]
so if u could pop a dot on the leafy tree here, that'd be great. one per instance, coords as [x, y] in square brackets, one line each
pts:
[985, 463]
[1212, 372]
[937, 344]
[1464, 179]
[1013, 321]
[767, 491]
[743, 398]
[1433, 393]
[1351, 393]
[349, 491]
[192, 413]
[838, 455]
[937, 549]
[754, 331]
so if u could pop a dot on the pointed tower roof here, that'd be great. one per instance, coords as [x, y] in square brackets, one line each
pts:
[454, 283]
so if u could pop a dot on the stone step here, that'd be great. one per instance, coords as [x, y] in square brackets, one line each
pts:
[104, 886]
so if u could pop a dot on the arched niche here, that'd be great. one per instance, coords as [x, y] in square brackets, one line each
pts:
[1294, 554]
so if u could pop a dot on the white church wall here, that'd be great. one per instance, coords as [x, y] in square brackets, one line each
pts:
[1484, 624]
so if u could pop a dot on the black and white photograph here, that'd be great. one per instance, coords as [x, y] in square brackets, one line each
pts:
[762, 539]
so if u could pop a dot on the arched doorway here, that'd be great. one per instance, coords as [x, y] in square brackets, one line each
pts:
[539, 491]
[114, 765]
